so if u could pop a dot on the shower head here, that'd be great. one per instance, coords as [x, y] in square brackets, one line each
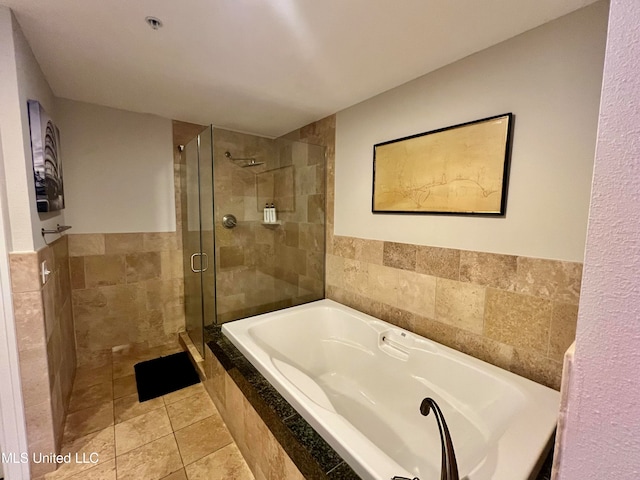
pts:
[243, 162]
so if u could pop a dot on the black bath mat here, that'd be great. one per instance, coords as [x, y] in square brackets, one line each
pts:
[164, 375]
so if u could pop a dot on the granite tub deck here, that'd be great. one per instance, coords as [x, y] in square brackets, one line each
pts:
[312, 456]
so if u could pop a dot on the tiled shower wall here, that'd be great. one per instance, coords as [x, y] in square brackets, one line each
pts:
[238, 285]
[46, 344]
[516, 312]
[293, 253]
[263, 267]
[127, 288]
[323, 132]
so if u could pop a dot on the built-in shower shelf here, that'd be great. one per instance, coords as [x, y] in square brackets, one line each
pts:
[272, 224]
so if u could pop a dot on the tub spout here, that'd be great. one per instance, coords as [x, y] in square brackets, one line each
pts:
[449, 469]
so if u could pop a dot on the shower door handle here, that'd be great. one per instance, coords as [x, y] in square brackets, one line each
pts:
[193, 269]
[204, 262]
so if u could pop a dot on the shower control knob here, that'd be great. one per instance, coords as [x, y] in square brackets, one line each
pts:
[229, 221]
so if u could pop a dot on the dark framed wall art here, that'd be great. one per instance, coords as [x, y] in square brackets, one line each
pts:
[47, 165]
[461, 169]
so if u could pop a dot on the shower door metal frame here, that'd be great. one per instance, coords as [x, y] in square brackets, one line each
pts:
[197, 333]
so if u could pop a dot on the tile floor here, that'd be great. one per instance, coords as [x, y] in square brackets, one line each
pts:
[179, 436]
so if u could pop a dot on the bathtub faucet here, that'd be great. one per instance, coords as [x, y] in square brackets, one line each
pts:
[449, 468]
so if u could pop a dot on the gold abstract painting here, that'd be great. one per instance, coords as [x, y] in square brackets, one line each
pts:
[457, 170]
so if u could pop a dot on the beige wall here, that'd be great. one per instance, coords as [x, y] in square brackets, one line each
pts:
[46, 344]
[550, 78]
[125, 257]
[20, 80]
[118, 169]
[127, 288]
[505, 290]
[44, 322]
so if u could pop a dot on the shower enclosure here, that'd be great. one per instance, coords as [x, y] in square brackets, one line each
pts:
[235, 264]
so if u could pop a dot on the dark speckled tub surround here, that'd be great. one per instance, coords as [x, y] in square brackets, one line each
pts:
[311, 454]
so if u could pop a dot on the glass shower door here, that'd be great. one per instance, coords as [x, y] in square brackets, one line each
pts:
[197, 236]
[262, 266]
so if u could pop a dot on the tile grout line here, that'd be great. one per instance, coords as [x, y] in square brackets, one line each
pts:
[175, 439]
[115, 452]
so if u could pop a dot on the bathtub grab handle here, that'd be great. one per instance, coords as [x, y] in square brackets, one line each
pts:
[398, 347]
[449, 468]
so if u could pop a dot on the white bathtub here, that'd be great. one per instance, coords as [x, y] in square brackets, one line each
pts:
[362, 394]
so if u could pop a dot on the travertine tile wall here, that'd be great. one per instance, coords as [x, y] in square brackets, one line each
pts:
[323, 132]
[518, 313]
[127, 288]
[262, 452]
[238, 287]
[263, 267]
[294, 252]
[183, 133]
[46, 343]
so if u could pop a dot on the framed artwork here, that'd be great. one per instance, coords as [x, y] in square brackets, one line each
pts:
[47, 165]
[457, 170]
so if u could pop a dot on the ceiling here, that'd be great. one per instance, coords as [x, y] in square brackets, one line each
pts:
[259, 66]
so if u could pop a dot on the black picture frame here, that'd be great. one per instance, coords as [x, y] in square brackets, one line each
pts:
[45, 154]
[462, 169]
